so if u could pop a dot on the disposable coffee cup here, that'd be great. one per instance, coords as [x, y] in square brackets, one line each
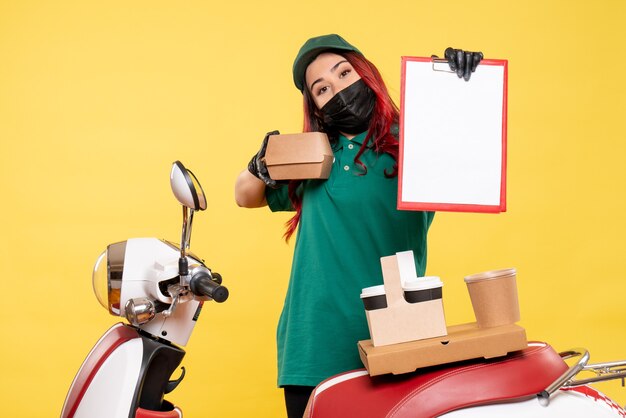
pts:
[374, 297]
[422, 289]
[494, 297]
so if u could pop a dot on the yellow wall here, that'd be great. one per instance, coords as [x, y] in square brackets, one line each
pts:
[98, 98]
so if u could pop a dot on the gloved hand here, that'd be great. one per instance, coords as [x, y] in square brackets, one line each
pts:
[463, 62]
[257, 165]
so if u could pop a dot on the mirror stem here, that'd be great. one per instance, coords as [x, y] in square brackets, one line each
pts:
[183, 238]
[183, 267]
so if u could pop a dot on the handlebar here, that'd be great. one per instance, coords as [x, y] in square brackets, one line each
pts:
[544, 395]
[202, 284]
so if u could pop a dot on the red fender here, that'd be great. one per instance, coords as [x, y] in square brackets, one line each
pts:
[117, 335]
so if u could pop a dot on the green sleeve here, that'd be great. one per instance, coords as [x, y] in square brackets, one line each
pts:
[278, 199]
[429, 218]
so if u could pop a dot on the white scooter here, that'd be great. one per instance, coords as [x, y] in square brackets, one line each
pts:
[159, 288]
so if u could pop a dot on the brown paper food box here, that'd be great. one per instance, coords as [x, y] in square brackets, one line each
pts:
[463, 342]
[299, 156]
[401, 321]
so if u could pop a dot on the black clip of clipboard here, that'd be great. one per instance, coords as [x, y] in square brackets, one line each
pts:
[442, 61]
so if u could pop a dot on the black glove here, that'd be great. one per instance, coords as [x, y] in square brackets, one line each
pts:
[257, 165]
[463, 62]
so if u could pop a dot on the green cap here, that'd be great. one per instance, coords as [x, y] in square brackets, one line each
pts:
[311, 49]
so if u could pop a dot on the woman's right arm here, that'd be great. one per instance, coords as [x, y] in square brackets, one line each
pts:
[249, 191]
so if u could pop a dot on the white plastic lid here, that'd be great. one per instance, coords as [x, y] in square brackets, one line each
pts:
[490, 275]
[422, 283]
[368, 292]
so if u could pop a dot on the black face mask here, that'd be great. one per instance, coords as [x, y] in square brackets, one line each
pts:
[350, 110]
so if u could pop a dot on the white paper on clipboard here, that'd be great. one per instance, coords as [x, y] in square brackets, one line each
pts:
[452, 137]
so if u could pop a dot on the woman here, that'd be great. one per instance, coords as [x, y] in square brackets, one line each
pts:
[346, 223]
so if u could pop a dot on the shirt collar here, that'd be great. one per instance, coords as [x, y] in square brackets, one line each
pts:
[342, 140]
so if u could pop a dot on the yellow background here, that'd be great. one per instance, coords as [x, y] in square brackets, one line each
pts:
[97, 99]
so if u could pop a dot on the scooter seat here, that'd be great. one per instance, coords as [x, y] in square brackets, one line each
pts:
[433, 391]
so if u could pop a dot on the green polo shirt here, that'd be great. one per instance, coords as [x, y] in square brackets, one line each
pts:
[348, 222]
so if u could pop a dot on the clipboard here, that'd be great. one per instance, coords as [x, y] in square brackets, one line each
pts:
[452, 137]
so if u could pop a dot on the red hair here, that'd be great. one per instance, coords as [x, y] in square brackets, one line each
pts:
[384, 116]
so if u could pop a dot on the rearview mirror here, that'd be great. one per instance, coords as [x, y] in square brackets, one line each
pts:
[186, 187]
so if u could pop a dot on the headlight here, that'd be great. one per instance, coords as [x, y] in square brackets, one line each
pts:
[107, 277]
[139, 311]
